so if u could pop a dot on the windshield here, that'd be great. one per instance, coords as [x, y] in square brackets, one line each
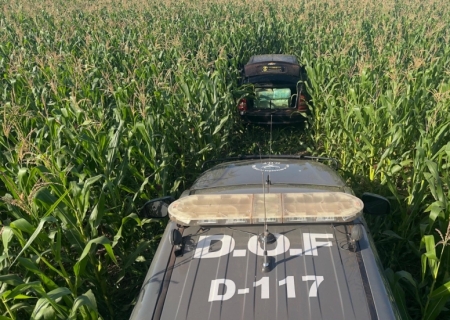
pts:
[280, 170]
[257, 188]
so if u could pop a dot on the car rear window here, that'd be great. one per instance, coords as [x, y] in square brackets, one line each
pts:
[272, 98]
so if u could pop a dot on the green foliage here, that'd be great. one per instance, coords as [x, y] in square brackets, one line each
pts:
[105, 105]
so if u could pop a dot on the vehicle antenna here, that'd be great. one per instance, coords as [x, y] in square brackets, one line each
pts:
[270, 141]
[266, 237]
[264, 195]
[264, 200]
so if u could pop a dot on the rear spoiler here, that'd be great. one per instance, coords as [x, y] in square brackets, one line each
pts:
[336, 164]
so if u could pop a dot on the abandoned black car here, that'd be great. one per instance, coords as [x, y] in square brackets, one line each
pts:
[278, 92]
[278, 237]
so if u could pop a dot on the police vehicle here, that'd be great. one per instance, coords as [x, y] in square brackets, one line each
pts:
[266, 237]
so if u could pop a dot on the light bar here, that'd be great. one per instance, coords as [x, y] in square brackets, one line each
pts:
[223, 209]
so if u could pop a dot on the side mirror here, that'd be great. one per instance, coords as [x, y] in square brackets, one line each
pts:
[156, 208]
[375, 204]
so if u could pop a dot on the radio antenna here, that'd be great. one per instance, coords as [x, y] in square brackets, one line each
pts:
[270, 141]
[266, 237]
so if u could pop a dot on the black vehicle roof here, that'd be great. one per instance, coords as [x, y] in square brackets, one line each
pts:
[281, 172]
[272, 68]
[314, 275]
[338, 297]
[273, 58]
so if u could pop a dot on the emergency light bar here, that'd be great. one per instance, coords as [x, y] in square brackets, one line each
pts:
[223, 209]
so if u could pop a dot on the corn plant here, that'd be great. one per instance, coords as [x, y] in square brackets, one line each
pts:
[104, 105]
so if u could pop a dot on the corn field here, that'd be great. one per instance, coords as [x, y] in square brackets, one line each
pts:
[106, 104]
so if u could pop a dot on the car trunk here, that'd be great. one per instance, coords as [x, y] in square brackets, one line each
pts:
[277, 102]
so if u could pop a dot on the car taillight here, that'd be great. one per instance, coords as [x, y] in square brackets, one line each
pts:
[242, 106]
[301, 104]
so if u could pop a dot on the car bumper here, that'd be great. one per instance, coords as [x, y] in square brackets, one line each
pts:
[274, 117]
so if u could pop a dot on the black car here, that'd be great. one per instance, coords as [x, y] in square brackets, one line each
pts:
[266, 238]
[278, 92]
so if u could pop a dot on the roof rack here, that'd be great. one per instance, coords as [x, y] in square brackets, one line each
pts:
[336, 164]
